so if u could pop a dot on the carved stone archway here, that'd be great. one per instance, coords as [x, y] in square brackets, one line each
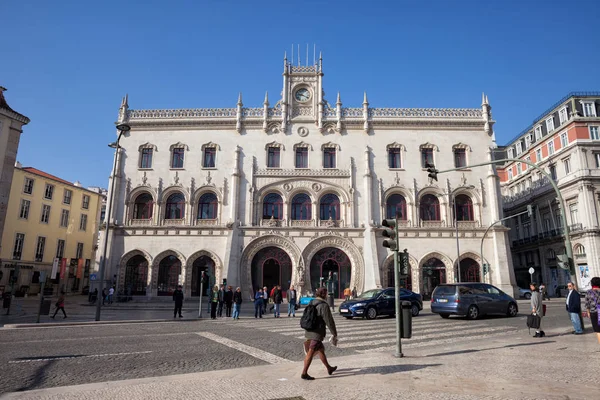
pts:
[155, 264]
[268, 240]
[351, 250]
[449, 270]
[123, 267]
[387, 268]
[475, 257]
[189, 266]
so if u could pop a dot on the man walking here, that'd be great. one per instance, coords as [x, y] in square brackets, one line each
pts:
[111, 291]
[291, 298]
[277, 300]
[574, 308]
[178, 299]
[221, 295]
[60, 305]
[258, 303]
[237, 303]
[228, 301]
[265, 293]
[314, 337]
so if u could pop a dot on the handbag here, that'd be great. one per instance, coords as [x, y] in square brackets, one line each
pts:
[534, 321]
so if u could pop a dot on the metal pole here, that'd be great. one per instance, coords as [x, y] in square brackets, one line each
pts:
[397, 298]
[201, 290]
[43, 278]
[568, 246]
[456, 279]
[108, 218]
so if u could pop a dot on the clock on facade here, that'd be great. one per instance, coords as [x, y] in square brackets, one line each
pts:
[302, 94]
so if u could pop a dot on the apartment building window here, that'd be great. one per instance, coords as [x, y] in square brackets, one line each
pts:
[79, 251]
[527, 141]
[39, 249]
[510, 173]
[67, 196]
[550, 124]
[49, 191]
[273, 157]
[552, 170]
[146, 158]
[538, 155]
[511, 153]
[519, 148]
[562, 115]
[302, 157]
[551, 147]
[83, 222]
[597, 159]
[538, 132]
[85, 202]
[64, 218]
[460, 158]
[426, 157]
[177, 157]
[526, 166]
[18, 248]
[45, 217]
[329, 157]
[564, 140]
[28, 186]
[24, 209]
[394, 159]
[547, 222]
[60, 248]
[589, 108]
[567, 165]
[519, 168]
[209, 157]
[594, 132]
[573, 213]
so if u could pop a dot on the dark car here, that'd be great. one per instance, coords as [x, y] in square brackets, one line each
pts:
[471, 300]
[376, 302]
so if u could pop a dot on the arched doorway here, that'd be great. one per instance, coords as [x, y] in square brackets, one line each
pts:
[405, 281]
[207, 265]
[434, 273]
[469, 270]
[136, 276]
[169, 270]
[334, 261]
[271, 266]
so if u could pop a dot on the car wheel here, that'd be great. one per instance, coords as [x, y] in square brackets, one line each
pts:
[512, 310]
[371, 313]
[527, 296]
[348, 317]
[414, 310]
[473, 312]
[445, 316]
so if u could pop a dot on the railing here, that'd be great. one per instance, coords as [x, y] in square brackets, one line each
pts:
[576, 227]
[426, 112]
[580, 255]
[330, 223]
[467, 224]
[433, 224]
[174, 222]
[271, 222]
[302, 223]
[207, 222]
[182, 113]
[253, 112]
[140, 222]
[534, 189]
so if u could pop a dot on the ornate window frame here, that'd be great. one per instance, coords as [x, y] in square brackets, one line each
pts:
[425, 146]
[402, 148]
[334, 146]
[210, 145]
[466, 148]
[150, 146]
[174, 146]
[201, 191]
[309, 148]
[281, 148]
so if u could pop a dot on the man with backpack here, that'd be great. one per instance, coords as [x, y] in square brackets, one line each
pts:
[317, 316]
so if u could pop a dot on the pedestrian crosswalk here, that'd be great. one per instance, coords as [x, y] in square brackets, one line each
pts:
[380, 335]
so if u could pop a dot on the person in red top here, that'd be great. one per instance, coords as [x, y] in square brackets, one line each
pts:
[60, 305]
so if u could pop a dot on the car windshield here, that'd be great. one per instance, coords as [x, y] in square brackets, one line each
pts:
[369, 294]
[445, 290]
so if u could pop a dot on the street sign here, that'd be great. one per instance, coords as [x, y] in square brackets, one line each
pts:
[531, 271]
[92, 277]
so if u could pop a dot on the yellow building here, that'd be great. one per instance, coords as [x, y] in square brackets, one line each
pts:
[50, 223]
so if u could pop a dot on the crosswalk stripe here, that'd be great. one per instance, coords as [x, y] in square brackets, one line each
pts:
[293, 325]
[289, 330]
[253, 351]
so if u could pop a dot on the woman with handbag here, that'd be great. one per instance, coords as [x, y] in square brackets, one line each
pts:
[592, 304]
[537, 308]
[60, 305]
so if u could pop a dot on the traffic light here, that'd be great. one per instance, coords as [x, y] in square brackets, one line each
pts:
[563, 261]
[225, 282]
[404, 263]
[391, 232]
[529, 210]
[431, 171]
[485, 268]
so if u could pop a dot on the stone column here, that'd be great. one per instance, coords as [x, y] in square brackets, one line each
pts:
[371, 263]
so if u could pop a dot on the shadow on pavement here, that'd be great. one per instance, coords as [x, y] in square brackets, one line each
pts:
[382, 370]
[452, 353]
[38, 379]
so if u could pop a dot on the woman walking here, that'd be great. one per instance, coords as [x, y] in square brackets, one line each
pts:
[237, 303]
[60, 305]
[214, 300]
[592, 304]
[537, 307]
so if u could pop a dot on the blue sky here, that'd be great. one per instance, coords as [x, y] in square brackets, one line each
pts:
[67, 64]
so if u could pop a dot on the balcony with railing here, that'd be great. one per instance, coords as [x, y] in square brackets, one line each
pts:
[576, 227]
[300, 223]
[330, 223]
[141, 222]
[537, 188]
[272, 222]
[467, 224]
[433, 224]
[174, 222]
[207, 222]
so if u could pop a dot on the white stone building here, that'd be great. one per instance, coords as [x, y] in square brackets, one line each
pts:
[287, 192]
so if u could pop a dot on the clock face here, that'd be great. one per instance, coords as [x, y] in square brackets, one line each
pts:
[302, 94]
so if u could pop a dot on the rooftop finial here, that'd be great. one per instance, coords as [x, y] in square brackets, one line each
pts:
[486, 100]
[483, 99]
[365, 101]
[339, 99]
[239, 103]
[285, 55]
[266, 102]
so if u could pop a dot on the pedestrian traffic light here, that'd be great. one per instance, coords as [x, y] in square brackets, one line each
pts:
[432, 172]
[563, 261]
[485, 268]
[529, 210]
[390, 231]
[404, 263]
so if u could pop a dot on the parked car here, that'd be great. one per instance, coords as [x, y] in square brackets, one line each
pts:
[525, 293]
[376, 302]
[471, 300]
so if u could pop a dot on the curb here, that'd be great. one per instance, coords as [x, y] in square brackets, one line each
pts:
[87, 323]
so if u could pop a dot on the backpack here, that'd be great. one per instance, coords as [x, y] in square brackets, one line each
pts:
[310, 320]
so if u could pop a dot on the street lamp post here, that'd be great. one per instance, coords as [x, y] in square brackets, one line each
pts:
[122, 129]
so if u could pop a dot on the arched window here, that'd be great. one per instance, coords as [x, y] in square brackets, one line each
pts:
[580, 250]
[396, 207]
[430, 208]
[208, 206]
[329, 207]
[272, 206]
[175, 208]
[464, 208]
[301, 207]
[142, 207]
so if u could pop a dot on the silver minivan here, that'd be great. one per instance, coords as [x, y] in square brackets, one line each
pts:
[471, 300]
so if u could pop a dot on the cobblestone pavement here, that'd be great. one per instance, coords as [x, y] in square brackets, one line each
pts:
[34, 358]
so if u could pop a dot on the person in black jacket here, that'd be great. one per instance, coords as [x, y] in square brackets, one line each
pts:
[277, 299]
[237, 303]
[574, 308]
[178, 299]
[228, 298]
[221, 298]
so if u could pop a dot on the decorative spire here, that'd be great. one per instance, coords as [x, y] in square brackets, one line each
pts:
[239, 103]
[339, 99]
[486, 100]
[266, 102]
[483, 99]
[365, 101]
[125, 101]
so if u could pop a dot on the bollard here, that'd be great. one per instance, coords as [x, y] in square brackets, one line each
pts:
[406, 321]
